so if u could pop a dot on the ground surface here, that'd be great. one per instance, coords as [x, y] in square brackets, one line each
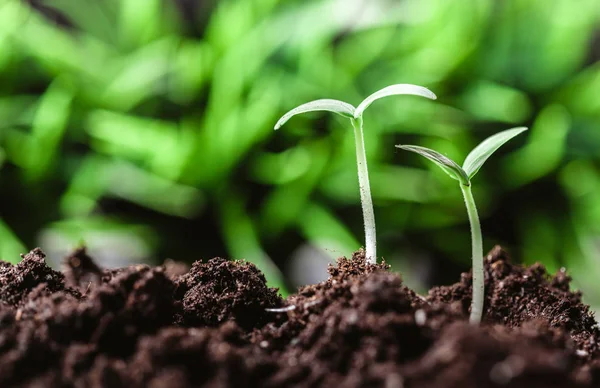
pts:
[218, 325]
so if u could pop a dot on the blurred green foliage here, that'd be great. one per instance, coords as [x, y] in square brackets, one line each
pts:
[149, 123]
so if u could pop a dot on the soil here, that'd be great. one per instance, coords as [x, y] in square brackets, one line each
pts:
[217, 324]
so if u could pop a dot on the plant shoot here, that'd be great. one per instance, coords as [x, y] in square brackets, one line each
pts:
[355, 116]
[464, 174]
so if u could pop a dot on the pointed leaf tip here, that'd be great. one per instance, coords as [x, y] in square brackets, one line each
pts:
[442, 161]
[486, 148]
[392, 90]
[335, 106]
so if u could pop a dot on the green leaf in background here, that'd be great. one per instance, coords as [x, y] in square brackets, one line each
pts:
[49, 126]
[544, 150]
[99, 177]
[490, 101]
[243, 241]
[326, 231]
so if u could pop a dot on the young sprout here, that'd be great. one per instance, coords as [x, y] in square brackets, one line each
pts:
[355, 116]
[464, 174]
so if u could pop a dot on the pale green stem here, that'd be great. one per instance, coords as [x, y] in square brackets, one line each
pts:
[365, 192]
[477, 246]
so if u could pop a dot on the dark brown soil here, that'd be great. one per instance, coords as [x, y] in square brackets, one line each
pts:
[218, 325]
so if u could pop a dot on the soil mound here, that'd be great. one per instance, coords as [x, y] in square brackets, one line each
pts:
[221, 290]
[219, 325]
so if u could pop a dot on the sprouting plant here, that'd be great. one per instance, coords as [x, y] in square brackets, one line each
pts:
[355, 116]
[464, 174]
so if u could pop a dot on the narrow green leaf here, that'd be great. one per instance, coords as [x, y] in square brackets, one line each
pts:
[445, 163]
[486, 148]
[391, 91]
[335, 106]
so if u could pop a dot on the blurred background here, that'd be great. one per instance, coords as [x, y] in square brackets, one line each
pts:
[144, 129]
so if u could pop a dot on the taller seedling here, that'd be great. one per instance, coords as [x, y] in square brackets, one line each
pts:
[355, 116]
[464, 174]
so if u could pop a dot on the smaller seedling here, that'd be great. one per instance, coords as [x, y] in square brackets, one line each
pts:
[464, 174]
[355, 116]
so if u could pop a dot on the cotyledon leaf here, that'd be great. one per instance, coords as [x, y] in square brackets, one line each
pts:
[335, 106]
[445, 163]
[486, 148]
[391, 91]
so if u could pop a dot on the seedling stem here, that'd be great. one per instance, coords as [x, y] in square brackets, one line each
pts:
[477, 255]
[365, 191]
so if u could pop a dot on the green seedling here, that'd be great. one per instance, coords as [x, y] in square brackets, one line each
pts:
[464, 174]
[355, 115]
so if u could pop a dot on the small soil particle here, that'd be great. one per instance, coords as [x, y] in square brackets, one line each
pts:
[219, 325]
